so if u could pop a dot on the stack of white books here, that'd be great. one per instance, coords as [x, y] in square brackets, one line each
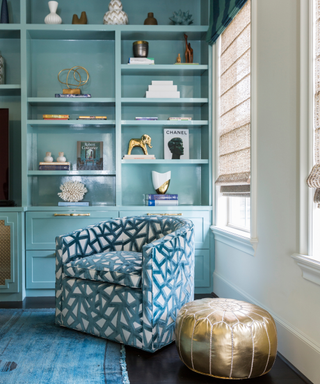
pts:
[141, 60]
[162, 89]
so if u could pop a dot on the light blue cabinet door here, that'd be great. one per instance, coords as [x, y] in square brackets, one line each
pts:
[10, 241]
[202, 278]
[43, 227]
[40, 269]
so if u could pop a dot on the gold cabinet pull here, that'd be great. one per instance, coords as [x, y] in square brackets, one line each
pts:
[71, 214]
[164, 214]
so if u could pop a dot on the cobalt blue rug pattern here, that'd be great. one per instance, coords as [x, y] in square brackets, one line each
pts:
[33, 350]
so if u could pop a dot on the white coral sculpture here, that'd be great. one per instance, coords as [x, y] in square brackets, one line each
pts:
[72, 191]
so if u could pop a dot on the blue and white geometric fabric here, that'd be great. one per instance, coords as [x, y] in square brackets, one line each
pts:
[142, 312]
[119, 267]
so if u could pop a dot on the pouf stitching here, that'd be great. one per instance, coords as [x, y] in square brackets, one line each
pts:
[240, 309]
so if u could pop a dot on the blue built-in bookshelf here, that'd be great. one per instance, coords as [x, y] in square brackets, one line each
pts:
[35, 53]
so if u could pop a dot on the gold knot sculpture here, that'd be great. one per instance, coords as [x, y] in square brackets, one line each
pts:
[76, 77]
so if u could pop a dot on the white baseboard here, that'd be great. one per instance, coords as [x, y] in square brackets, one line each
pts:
[299, 350]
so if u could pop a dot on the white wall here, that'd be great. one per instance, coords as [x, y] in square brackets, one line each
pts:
[271, 278]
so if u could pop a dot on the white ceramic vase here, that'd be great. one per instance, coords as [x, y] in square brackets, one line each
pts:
[53, 18]
[115, 15]
[61, 158]
[161, 181]
[48, 158]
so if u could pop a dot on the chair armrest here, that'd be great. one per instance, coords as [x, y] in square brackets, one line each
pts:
[167, 283]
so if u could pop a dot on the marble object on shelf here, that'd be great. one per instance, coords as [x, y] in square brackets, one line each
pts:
[53, 17]
[161, 181]
[115, 15]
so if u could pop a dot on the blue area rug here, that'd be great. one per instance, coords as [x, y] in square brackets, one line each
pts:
[34, 350]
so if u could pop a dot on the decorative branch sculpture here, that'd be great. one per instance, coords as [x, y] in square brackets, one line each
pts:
[189, 51]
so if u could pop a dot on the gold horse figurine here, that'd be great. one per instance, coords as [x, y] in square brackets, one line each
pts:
[143, 143]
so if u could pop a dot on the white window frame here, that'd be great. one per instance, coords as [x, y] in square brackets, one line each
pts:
[309, 265]
[229, 208]
[242, 240]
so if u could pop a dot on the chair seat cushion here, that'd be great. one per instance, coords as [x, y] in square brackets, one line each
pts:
[118, 267]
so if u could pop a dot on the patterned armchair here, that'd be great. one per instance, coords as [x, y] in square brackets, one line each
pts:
[126, 279]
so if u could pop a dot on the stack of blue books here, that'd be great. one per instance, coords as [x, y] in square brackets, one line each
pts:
[153, 200]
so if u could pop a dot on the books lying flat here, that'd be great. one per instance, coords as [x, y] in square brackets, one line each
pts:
[139, 157]
[53, 116]
[163, 88]
[54, 163]
[152, 203]
[162, 197]
[180, 118]
[162, 82]
[146, 118]
[54, 166]
[70, 96]
[141, 60]
[73, 203]
[92, 118]
[162, 95]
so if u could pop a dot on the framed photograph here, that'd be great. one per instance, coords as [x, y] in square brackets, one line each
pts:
[176, 143]
[89, 155]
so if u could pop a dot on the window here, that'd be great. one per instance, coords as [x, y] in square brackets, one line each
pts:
[239, 213]
[316, 129]
[234, 121]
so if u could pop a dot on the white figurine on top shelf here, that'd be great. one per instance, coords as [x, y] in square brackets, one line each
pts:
[115, 15]
[53, 18]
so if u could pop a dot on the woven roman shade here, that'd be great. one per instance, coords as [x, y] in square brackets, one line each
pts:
[222, 13]
[234, 111]
[313, 180]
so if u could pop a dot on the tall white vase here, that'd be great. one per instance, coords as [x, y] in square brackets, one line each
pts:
[161, 181]
[53, 18]
[115, 15]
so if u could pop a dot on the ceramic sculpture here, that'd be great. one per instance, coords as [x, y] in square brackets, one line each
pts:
[150, 20]
[48, 158]
[61, 158]
[53, 18]
[161, 181]
[115, 15]
[4, 18]
[82, 20]
[181, 18]
[72, 191]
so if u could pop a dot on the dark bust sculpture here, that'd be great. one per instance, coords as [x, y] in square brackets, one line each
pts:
[176, 147]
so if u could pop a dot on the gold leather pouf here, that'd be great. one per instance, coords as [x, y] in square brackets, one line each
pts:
[225, 338]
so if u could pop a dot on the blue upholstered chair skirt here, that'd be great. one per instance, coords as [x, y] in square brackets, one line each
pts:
[126, 279]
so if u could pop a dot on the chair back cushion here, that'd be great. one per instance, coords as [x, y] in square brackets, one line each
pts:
[119, 267]
[141, 230]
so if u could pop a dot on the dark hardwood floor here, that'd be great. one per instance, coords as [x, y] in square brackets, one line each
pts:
[165, 367]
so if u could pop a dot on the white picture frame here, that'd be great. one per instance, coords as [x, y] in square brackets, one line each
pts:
[176, 143]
